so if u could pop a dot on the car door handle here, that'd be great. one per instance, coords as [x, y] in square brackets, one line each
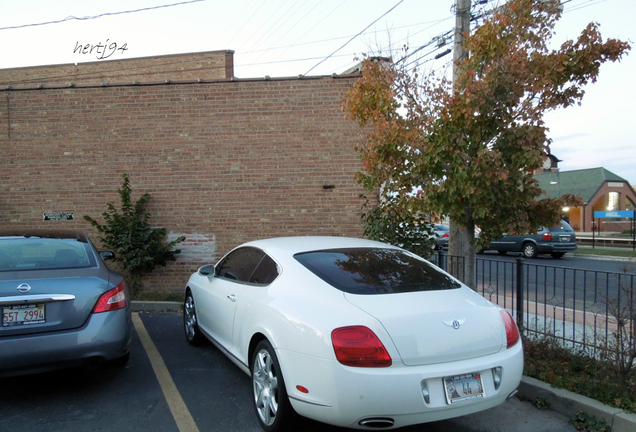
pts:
[232, 297]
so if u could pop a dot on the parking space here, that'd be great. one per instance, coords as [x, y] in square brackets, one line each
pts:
[104, 399]
[216, 395]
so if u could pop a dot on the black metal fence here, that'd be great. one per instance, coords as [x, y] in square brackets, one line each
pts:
[590, 312]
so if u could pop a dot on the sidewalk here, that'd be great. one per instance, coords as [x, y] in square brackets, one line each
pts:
[562, 401]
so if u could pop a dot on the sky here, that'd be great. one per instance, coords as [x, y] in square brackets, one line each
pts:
[287, 38]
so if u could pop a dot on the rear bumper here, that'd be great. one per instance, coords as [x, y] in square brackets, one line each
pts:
[104, 336]
[345, 396]
[556, 247]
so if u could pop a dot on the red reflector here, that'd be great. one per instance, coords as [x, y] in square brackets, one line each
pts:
[512, 333]
[358, 346]
[112, 300]
[547, 236]
[302, 389]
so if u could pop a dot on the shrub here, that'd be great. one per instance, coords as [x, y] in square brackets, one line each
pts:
[138, 248]
[577, 372]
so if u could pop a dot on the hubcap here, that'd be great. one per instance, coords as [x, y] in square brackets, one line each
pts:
[190, 317]
[265, 384]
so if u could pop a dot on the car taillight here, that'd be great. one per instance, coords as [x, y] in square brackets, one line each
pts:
[512, 333]
[547, 236]
[358, 346]
[445, 235]
[112, 299]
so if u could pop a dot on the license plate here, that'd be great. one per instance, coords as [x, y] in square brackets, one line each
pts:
[19, 315]
[565, 238]
[464, 387]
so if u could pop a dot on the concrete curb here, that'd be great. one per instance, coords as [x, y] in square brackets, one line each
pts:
[562, 401]
[568, 404]
[156, 306]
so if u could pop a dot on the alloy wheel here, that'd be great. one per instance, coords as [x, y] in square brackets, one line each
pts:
[265, 385]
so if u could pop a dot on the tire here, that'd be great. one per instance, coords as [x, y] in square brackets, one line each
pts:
[502, 252]
[190, 324]
[529, 250]
[273, 409]
[557, 255]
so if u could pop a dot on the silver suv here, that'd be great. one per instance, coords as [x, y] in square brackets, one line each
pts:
[555, 241]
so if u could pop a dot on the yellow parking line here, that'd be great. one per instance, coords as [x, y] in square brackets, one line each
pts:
[178, 408]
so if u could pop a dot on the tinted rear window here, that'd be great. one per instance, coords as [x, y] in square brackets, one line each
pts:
[44, 254]
[375, 271]
[564, 226]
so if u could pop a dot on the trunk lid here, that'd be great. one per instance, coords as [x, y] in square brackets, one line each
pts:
[51, 300]
[437, 326]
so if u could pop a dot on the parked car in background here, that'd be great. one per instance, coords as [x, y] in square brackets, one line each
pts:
[442, 234]
[353, 333]
[61, 306]
[556, 241]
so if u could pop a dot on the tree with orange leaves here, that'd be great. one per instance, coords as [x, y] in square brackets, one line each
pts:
[471, 153]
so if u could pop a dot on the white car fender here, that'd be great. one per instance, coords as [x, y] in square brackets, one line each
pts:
[298, 326]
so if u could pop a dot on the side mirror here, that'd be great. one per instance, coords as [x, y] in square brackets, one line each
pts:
[107, 255]
[206, 270]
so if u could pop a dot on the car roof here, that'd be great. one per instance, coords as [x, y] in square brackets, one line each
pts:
[294, 245]
[43, 233]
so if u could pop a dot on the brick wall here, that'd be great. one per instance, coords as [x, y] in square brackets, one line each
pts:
[213, 65]
[224, 162]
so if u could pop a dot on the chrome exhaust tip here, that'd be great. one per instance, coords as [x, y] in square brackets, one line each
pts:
[377, 422]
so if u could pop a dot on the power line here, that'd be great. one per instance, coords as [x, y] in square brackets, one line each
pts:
[347, 43]
[413, 57]
[71, 18]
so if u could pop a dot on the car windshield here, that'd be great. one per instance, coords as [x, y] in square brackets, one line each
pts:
[375, 271]
[44, 254]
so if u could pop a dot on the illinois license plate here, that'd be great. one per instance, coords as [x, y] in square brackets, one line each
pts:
[464, 387]
[19, 315]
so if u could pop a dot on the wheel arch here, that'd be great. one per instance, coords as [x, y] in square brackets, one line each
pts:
[254, 341]
[528, 240]
[534, 244]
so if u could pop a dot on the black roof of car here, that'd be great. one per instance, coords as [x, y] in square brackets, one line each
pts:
[44, 233]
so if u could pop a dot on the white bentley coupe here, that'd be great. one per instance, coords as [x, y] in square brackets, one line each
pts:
[353, 333]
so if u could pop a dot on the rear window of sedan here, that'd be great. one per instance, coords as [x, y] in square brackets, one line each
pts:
[375, 271]
[44, 254]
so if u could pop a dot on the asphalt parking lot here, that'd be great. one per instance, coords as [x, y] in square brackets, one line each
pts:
[169, 385]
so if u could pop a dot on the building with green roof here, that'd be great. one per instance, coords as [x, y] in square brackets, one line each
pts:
[598, 188]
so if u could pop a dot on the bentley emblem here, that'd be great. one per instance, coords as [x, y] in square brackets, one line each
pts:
[455, 323]
[23, 288]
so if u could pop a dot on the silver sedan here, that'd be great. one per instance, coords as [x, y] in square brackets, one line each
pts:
[61, 305]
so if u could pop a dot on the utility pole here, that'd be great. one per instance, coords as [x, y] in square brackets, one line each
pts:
[462, 25]
[462, 236]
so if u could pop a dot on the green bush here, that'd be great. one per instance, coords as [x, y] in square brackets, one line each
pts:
[138, 248]
[545, 360]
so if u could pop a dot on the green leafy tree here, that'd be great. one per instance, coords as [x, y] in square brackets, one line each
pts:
[138, 248]
[473, 151]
